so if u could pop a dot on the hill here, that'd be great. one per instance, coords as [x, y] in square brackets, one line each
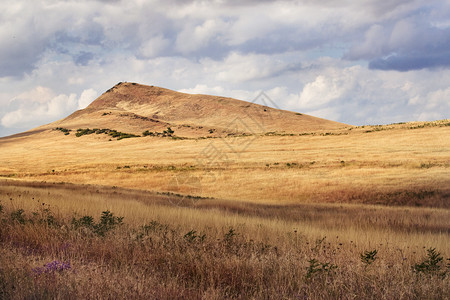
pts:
[134, 108]
[236, 200]
[230, 149]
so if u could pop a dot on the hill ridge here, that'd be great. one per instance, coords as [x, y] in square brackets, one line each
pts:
[132, 107]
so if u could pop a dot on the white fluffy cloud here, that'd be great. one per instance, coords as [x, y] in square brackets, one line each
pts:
[41, 105]
[87, 96]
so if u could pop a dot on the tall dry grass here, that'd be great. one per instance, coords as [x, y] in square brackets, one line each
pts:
[212, 248]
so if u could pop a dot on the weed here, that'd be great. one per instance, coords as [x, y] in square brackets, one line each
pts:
[18, 216]
[368, 257]
[318, 244]
[85, 221]
[432, 264]
[316, 267]
[46, 217]
[230, 235]
[192, 236]
[107, 223]
[153, 226]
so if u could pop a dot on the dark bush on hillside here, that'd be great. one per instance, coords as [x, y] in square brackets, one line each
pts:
[114, 133]
[64, 130]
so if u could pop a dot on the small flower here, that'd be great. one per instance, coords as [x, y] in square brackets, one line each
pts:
[52, 267]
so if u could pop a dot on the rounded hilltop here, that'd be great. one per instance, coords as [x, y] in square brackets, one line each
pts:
[135, 108]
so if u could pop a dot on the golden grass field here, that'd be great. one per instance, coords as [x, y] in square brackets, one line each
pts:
[283, 214]
[398, 166]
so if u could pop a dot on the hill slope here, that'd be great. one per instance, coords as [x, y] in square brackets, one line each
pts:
[134, 108]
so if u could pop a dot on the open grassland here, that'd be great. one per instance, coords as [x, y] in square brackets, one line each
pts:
[70, 241]
[401, 164]
[354, 213]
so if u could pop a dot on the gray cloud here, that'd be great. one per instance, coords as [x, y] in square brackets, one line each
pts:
[414, 42]
[412, 61]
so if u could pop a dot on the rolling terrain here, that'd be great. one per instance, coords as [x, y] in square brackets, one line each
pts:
[145, 137]
[154, 194]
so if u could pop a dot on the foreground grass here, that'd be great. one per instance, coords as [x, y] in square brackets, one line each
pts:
[50, 247]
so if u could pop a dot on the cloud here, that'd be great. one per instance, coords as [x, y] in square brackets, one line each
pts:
[327, 88]
[412, 61]
[417, 41]
[41, 105]
[154, 46]
[87, 96]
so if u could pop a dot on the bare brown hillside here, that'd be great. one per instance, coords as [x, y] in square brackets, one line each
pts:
[134, 108]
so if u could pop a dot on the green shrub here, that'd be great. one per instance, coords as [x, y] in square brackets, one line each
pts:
[18, 216]
[192, 236]
[316, 267]
[146, 133]
[432, 265]
[166, 133]
[64, 130]
[107, 223]
[368, 257]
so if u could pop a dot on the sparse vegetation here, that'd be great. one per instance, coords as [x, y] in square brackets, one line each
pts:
[107, 223]
[167, 252]
[433, 264]
[368, 257]
[64, 130]
[166, 133]
[113, 133]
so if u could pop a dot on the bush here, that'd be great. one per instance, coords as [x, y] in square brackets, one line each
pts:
[107, 223]
[432, 264]
[166, 133]
[64, 130]
[18, 216]
[114, 133]
[369, 257]
[316, 267]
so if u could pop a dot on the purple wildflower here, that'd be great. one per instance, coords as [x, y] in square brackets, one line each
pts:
[52, 267]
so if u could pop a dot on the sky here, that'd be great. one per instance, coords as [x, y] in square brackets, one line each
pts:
[358, 62]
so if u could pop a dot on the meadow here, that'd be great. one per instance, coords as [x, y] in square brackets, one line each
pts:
[75, 241]
[356, 213]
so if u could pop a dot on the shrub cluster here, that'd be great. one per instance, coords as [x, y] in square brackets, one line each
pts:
[111, 132]
[107, 223]
[166, 133]
[64, 130]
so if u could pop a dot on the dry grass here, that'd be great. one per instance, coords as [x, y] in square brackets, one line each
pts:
[398, 166]
[267, 255]
[288, 198]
